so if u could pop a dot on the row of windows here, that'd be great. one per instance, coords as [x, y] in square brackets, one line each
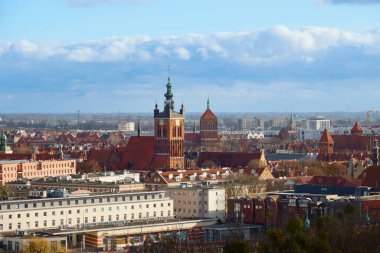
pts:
[78, 221]
[78, 211]
[76, 202]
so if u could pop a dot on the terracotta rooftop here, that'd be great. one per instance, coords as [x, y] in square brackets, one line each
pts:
[139, 153]
[371, 177]
[357, 128]
[326, 137]
[228, 159]
[208, 114]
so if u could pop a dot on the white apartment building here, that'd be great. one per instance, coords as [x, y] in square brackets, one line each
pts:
[126, 126]
[317, 123]
[83, 211]
[198, 201]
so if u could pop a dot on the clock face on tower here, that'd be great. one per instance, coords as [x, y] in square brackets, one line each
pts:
[161, 122]
[177, 122]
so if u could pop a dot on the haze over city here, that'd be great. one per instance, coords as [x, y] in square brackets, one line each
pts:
[60, 56]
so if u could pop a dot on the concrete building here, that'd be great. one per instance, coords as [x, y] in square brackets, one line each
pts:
[250, 123]
[317, 123]
[18, 169]
[126, 126]
[198, 201]
[16, 243]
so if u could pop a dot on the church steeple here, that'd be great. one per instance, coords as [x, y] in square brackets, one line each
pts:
[169, 103]
[139, 128]
[208, 102]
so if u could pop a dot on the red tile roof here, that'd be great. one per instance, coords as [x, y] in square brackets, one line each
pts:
[326, 137]
[228, 159]
[331, 181]
[357, 128]
[139, 153]
[208, 114]
[194, 138]
[160, 162]
[352, 142]
[371, 177]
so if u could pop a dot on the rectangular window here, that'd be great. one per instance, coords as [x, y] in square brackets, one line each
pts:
[101, 218]
[94, 219]
[69, 221]
[53, 222]
[109, 217]
[45, 223]
[36, 224]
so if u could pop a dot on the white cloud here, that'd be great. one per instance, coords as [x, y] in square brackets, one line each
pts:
[182, 53]
[279, 45]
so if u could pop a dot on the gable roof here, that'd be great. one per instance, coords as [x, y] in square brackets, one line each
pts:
[326, 137]
[357, 128]
[139, 153]
[208, 114]
[229, 159]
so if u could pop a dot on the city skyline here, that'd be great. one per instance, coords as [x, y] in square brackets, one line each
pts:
[250, 56]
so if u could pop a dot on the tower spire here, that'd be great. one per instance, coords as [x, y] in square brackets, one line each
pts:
[208, 102]
[139, 128]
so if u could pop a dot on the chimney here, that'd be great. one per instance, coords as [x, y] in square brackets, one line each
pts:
[375, 152]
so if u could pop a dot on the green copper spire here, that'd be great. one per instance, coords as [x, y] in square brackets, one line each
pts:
[168, 94]
[208, 102]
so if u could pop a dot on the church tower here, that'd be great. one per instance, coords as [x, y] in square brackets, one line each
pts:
[169, 132]
[208, 127]
[326, 143]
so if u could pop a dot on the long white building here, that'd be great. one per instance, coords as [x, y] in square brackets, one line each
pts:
[83, 210]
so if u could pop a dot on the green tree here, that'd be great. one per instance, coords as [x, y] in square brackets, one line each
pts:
[238, 246]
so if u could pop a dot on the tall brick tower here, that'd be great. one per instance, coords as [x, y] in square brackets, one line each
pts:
[326, 143]
[169, 132]
[209, 127]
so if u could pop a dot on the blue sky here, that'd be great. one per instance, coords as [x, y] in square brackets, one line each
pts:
[249, 55]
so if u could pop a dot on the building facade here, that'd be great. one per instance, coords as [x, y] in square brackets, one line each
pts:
[209, 127]
[126, 126]
[83, 210]
[18, 169]
[198, 201]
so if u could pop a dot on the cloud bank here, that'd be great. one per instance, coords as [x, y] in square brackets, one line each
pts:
[272, 69]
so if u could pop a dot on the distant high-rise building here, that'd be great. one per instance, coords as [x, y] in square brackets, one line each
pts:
[250, 123]
[316, 123]
[126, 126]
